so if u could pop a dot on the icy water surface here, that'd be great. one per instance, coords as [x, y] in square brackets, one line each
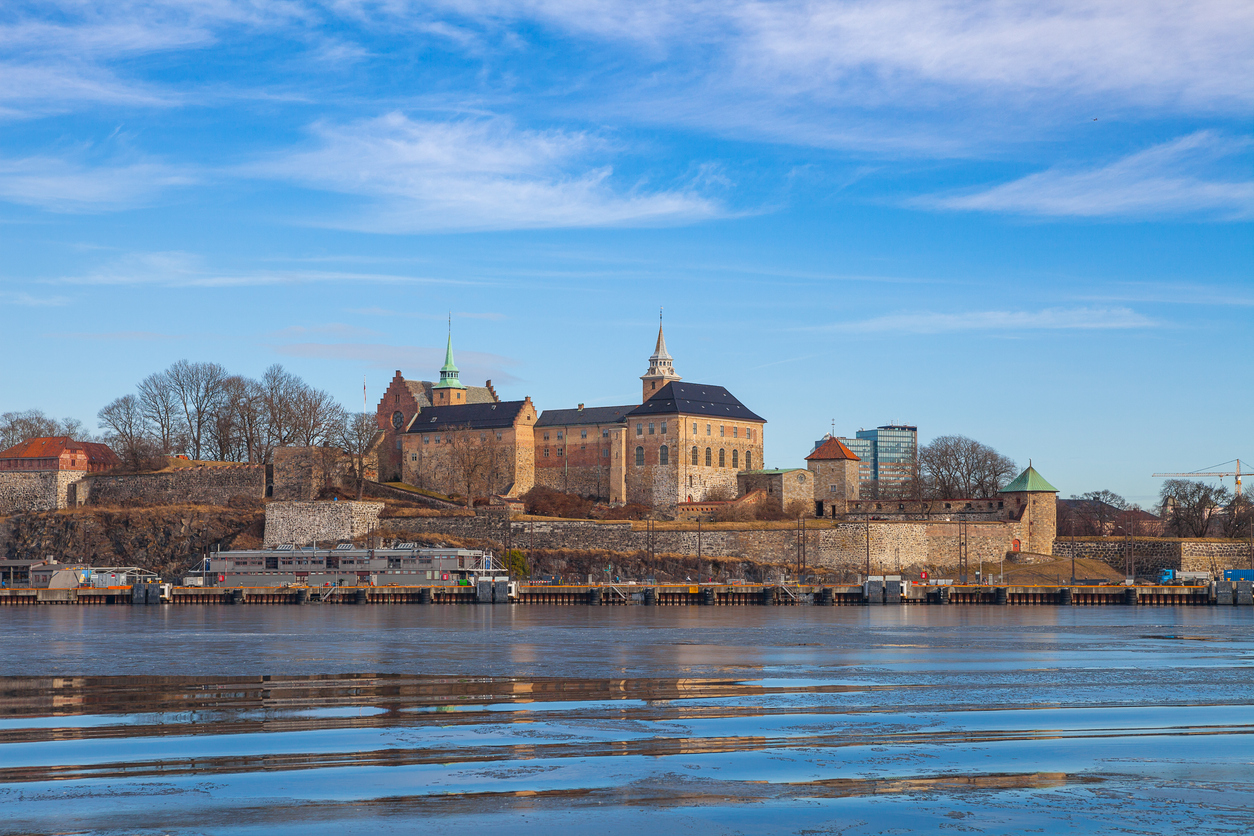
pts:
[378, 719]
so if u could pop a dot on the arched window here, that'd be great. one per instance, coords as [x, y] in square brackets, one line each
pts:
[695, 454]
[664, 455]
[722, 458]
[736, 459]
[748, 460]
[639, 457]
[708, 460]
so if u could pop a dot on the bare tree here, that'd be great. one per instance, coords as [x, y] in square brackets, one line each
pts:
[315, 417]
[161, 410]
[357, 433]
[469, 457]
[1096, 511]
[197, 388]
[957, 467]
[1192, 505]
[1237, 520]
[279, 392]
[16, 427]
[127, 432]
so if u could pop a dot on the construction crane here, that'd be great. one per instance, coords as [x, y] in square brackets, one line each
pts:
[1208, 473]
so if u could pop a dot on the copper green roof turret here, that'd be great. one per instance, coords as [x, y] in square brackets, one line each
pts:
[448, 372]
[1029, 481]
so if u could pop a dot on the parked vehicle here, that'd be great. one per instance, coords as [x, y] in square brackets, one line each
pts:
[1175, 577]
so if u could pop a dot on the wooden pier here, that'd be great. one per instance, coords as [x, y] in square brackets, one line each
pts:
[661, 595]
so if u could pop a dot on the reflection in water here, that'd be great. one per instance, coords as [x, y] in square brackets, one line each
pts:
[736, 721]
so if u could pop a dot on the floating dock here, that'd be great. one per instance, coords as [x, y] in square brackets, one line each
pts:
[1219, 593]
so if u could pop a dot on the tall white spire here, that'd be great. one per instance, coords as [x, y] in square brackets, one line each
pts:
[661, 365]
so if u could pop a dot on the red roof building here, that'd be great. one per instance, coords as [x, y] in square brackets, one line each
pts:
[58, 453]
[832, 450]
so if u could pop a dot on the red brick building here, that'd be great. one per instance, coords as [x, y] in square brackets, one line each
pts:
[58, 453]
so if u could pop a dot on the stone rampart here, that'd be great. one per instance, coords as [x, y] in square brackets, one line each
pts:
[205, 485]
[42, 490]
[1153, 554]
[303, 523]
[843, 547]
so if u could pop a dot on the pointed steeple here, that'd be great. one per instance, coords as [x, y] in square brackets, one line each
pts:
[661, 365]
[449, 372]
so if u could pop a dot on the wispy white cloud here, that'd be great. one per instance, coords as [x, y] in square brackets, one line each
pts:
[1172, 178]
[66, 185]
[182, 269]
[1049, 319]
[469, 174]
[29, 301]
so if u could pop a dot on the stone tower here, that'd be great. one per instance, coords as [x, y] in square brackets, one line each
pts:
[449, 391]
[835, 469]
[661, 368]
[1034, 502]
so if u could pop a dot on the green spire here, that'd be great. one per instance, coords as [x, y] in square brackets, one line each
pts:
[1029, 481]
[448, 372]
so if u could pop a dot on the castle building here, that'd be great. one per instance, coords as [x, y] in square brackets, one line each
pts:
[685, 442]
[1034, 502]
[836, 476]
[472, 449]
[404, 399]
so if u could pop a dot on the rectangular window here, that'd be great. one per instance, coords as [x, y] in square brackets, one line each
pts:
[499, 436]
[559, 452]
[426, 439]
[437, 439]
[640, 429]
[559, 435]
[546, 436]
[722, 431]
[546, 452]
[605, 433]
[605, 452]
[583, 433]
[650, 428]
[583, 446]
[708, 431]
[663, 428]
[413, 457]
[735, 432]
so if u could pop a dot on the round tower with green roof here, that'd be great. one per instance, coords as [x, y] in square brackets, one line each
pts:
[1034, 502]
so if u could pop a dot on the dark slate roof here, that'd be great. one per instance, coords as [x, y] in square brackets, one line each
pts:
[588, 415]
[695, 399]
[475, 416]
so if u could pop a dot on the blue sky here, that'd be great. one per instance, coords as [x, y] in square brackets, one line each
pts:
[1025, 222]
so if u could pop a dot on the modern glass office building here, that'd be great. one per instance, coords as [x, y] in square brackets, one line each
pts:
[888, 453]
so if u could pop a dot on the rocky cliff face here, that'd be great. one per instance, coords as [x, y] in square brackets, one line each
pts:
[163, 539]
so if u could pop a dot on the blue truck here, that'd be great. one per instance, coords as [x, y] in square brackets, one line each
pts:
[1175, 577]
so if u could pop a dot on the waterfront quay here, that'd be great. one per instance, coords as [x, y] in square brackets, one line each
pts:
[1220, 593]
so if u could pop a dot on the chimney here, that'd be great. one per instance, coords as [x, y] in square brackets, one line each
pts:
[581, 407]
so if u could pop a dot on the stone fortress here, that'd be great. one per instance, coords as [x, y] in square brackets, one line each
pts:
[682, 443]
[684, 450]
